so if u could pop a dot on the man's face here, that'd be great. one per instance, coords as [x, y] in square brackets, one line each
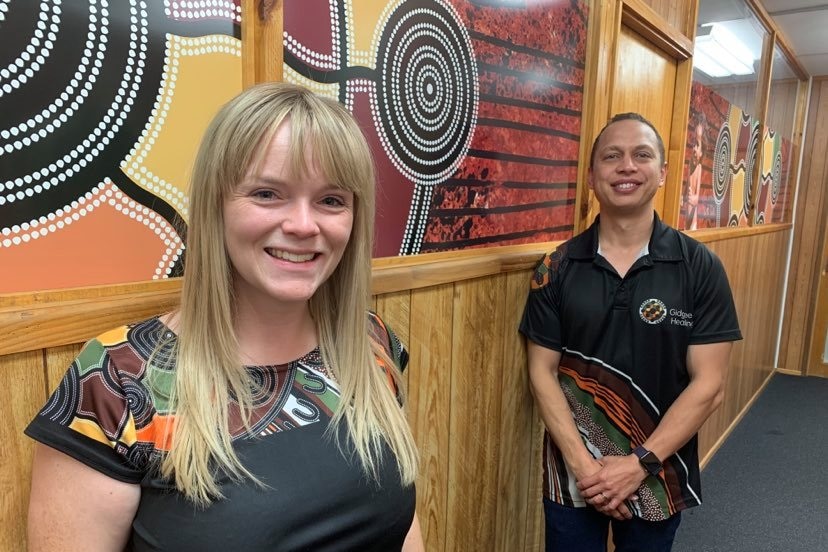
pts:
[628, 170]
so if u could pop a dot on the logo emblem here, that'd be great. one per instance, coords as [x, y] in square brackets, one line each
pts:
[652, 311]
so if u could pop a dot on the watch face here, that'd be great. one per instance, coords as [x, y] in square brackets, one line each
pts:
[649, 460]
[651, 463]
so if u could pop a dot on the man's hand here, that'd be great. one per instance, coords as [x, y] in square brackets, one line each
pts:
[617, 481]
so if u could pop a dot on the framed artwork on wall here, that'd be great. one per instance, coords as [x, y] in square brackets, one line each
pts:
[473, 109]
[102, 105]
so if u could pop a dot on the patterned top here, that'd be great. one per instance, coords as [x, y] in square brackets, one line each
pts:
[112, 411]
[623, 344]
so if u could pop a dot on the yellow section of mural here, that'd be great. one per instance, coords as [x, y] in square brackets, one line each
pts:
[768, 150]
[366, 21]
[331, 90]
[200, 75]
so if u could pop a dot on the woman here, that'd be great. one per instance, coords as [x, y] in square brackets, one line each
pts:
[262, 414]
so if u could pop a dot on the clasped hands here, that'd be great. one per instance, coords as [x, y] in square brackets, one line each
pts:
[615, 480]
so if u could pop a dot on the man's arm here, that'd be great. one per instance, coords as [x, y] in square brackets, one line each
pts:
[620, 476]
[556, 416]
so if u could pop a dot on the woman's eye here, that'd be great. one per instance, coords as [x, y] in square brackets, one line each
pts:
[264, 194]
[333, 201]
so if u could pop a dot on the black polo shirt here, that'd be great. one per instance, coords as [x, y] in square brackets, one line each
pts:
[624, 350]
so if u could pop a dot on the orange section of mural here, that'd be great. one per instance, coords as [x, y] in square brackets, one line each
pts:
[99, 125]
[105, 239]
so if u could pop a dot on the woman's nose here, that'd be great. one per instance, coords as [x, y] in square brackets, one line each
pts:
[300, 219]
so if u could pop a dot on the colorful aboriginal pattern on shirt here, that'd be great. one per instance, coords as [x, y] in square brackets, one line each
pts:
[613, 416]
[114, 396]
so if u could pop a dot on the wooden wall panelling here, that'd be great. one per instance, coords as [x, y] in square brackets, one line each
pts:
[758, 307]
[477, 362]
[394, 309]
[604, 26]
[645, 83]
[22, 394]
[816, 362]
[681, 14]
[430, 406]
[809, 221]
[515, 501]
[535, 524]
[262, 47]
[33, 321]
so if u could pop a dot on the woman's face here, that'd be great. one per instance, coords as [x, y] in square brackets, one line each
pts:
[697, 146]
[285, 234]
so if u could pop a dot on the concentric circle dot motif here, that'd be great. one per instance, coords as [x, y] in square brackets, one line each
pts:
[721, 164]
[427, 92]
[776, 183]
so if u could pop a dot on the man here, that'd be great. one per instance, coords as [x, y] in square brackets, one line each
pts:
[629, 328]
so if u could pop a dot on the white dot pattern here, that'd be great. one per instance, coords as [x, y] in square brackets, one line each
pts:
[103, 193]
[32, 56]
[312, 58]
[55, 172]
[203, 9]
[177, 47]
[64, 106]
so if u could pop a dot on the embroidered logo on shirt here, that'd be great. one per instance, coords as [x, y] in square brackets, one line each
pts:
[652, 311]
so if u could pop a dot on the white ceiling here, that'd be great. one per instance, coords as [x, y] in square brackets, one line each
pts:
[804, 24]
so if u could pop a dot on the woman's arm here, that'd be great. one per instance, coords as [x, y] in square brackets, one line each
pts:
[73, 507]
[414, 538]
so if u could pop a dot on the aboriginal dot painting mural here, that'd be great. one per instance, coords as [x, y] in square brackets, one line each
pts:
[102, 105]
[472, 108]
[773, 196]
[722, 148]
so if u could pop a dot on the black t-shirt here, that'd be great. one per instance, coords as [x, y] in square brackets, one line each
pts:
[624, 350]
[109, 412]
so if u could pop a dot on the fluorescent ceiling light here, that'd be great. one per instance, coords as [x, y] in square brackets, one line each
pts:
[720, 54]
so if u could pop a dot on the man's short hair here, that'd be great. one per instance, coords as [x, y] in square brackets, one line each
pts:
[629, 116]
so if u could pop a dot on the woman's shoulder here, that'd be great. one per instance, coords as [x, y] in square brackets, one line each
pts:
[137, 338]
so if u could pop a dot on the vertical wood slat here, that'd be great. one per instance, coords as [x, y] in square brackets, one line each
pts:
[22, 393]
[758, 307]
[393, 308]
[517, 422]
[477, 353]
[809, 221]
[262, 27]
[430, 406]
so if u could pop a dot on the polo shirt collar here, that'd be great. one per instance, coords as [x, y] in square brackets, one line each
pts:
[664, 243]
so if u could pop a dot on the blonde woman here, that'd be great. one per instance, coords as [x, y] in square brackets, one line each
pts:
[264, 414]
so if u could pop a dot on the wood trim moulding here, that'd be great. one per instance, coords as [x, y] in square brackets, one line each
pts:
[721, 234]
[49, 319]
[652, 26]
[765, 19]
[32, 321]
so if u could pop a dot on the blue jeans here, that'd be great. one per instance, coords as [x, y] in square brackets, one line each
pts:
[585, 530]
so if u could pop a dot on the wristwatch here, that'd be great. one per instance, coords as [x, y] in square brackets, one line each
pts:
[649, 460]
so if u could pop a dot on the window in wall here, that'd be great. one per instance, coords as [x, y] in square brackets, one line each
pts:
[723, 130]
[774, 195]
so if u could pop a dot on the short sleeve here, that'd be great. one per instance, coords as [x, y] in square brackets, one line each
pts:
[88, 416]
[716, 318]
[541, 321]
[384, 335]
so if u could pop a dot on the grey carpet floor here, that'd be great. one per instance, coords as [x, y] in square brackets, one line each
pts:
[766, 489]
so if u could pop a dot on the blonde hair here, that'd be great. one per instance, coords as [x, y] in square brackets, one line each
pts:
[208, 367]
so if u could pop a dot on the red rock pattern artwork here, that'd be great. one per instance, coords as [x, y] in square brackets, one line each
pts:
[472, 107]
